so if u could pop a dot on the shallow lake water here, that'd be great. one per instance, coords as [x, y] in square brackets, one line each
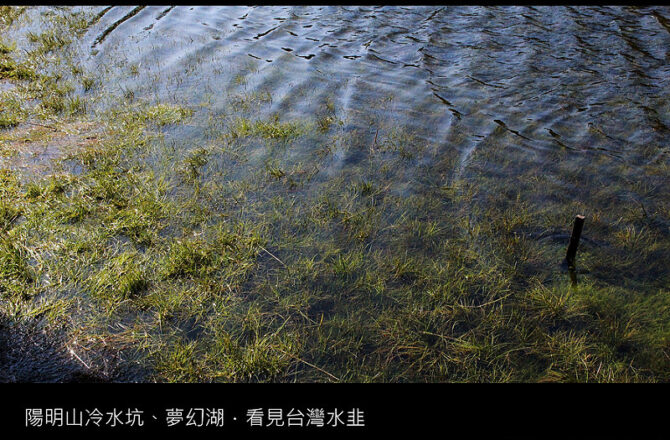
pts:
[592, 81]
[559, 110]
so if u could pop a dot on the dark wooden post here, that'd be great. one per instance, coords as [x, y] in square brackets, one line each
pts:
[574, 241]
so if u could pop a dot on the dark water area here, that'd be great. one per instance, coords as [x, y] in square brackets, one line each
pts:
[29, 356]
[593, 81]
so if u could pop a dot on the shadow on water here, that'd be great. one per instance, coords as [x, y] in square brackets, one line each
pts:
[30, 355]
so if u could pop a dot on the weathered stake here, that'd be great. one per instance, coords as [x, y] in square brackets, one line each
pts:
[574, 241]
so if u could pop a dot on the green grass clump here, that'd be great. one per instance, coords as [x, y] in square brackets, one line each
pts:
[121, 278]
[8, 120]
[8, 214]
[11, 113]
[10, 69]
[5, 48]
[48, 41]
[87, 83]
[15, 272]
[261, 359]
[193, 163]
[10, 13]
[10, 206]
[164, 114]
[189, 258]
[268, 129]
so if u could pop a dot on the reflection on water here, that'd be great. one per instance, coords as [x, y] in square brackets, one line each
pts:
[589, 81]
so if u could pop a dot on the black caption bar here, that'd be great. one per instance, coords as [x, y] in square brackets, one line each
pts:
[481, 411]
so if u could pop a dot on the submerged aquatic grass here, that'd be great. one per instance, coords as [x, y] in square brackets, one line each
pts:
[259, 253]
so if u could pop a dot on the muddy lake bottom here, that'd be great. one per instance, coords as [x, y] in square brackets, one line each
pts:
[334, 194]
